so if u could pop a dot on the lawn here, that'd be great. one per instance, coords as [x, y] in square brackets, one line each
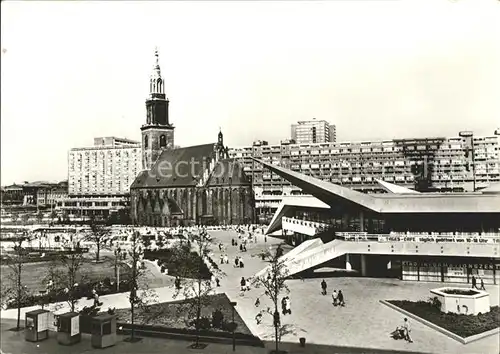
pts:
[172, 315]
[462, 325]
[33, 274]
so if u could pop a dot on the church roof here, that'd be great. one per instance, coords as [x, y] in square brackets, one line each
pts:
[228, 168]
[176, 168]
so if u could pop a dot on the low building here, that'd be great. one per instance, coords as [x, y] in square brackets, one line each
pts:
[442, 237]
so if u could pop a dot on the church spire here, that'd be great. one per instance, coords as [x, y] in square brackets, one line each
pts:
[156, 85]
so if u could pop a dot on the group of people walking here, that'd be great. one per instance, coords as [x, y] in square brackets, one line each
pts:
[337, 297]
[474, 283]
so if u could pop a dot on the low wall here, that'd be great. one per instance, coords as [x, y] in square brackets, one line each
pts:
[189, 335]
[479, 302]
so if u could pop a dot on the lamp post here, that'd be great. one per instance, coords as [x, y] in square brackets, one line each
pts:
[470, 134]
[42, 293]
[233, 327]
[117, 252]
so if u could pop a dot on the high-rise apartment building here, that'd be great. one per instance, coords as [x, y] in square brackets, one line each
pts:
[100, 176]
[313, 131]
[462, 163]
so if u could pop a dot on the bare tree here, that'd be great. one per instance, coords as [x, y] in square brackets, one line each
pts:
[197, 290]
[98, 235]
[68, 277]
[140, 295]
[273, 284]
[14, 288]
[25, 219]
[53, 215]
[39, 217]
[14, 216]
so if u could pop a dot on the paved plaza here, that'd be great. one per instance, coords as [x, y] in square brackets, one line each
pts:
[363, 325]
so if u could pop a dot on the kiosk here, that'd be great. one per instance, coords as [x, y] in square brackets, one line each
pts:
[36, 325]
[103, 330]
[68, 328]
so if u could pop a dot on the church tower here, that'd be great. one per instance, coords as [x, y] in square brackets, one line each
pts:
[157, 133]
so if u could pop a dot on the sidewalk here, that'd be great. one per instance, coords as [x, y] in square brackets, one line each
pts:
[14, 343]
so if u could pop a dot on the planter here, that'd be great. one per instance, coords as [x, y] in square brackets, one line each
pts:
[463, 300]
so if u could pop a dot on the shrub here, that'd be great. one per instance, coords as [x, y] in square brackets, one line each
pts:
[217, 319]
[203, 324]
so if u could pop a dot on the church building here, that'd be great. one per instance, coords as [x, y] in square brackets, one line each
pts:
[185, 186]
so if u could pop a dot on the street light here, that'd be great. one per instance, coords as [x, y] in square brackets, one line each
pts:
[42, 293]
[470, 134]
[117, 268]
[233, 304]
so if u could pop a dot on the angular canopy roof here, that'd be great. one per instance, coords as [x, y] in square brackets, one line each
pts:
[331, 194]
[392, 188]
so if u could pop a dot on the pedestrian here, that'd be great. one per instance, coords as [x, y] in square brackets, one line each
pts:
[335, 297]
[265, 238]
[241, 247]
[474, 282]
[323, 287]
[341, 298]
[243, 284]
[220, 246]
[257, 302]
[258, 318]
[283, 306]
[241, 264]
[221, 259]
[226, 259]
[217, 281]
[407, 330]
[482, 284]
[237, 261]
[288, 305]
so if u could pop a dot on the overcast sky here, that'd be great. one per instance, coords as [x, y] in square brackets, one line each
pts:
[377, 69]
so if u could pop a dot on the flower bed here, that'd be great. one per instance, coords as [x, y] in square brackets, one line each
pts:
[171, 315]
[462, 325]
[179, 261]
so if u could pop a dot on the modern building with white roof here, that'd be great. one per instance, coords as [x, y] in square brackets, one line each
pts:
[444, 237]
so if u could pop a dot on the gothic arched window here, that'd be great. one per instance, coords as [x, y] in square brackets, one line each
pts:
[146, 142]
[159, 86]
[163, 141]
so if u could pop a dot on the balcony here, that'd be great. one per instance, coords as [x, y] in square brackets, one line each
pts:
[305, 227]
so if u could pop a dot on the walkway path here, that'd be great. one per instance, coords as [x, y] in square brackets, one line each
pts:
[364, 322]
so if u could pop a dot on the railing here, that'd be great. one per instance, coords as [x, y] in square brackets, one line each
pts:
[320, 226]
[459, 237]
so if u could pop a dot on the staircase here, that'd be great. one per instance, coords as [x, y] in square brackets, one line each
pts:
[303, 247]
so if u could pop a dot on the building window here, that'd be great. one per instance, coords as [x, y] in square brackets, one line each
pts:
[146, 142]
[163, 141]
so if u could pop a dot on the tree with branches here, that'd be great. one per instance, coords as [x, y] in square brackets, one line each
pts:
[196, 290]
[13, 287]
[98, 235]
[140, 295]
[274, 286]
[39, 216]
[14, 216]
[53, 215]
[25, 219]
[66, 273]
